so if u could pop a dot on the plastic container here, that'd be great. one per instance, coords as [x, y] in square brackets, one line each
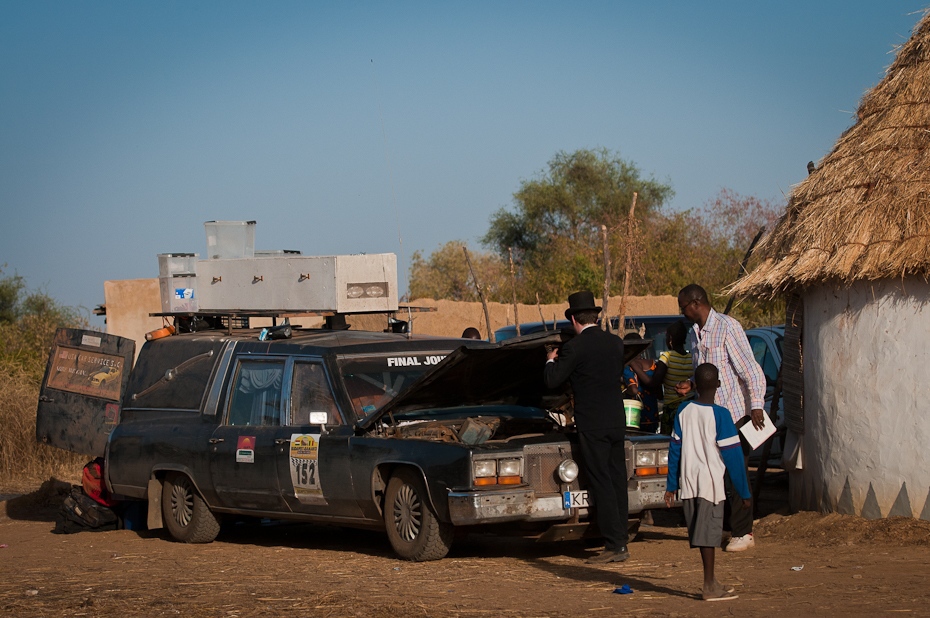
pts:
[178, 293]
[171, 264]
[633, 409]
[230, 239]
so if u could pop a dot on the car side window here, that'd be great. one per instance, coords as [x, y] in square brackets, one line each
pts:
[764, 357]
[256, 393]
[310, 392]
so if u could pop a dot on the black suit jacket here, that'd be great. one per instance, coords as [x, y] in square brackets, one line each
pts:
[593, 363]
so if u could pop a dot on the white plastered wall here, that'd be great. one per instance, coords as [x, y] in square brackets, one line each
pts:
[867, 399]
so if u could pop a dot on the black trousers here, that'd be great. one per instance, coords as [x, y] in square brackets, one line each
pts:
[738, 516]
[605, 468]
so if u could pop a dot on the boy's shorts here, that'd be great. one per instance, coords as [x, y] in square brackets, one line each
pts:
[705, 522]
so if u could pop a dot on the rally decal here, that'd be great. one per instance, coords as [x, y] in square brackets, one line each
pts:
[245, 449]
[414, 361]
[305, 472]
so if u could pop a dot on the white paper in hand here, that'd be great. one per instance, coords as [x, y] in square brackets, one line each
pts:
[755, 437]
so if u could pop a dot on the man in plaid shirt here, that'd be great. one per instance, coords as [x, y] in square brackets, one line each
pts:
[720, 340]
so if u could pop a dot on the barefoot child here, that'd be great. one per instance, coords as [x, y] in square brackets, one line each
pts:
[704, 445]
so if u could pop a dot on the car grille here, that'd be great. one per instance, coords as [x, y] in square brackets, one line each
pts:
[541, 467]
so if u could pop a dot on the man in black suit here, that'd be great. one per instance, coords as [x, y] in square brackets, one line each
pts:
[592, 362]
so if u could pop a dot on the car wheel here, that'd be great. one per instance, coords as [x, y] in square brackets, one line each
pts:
[186, 515]
[412, 527]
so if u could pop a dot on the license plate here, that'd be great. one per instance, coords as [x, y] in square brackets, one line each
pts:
[653, 498]
[575, 500]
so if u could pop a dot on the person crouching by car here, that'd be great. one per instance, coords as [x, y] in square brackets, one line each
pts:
[592, 362]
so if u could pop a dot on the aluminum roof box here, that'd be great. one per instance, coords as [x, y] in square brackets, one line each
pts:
[358, 283]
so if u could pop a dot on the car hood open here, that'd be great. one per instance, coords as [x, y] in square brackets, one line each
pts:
[509, 373]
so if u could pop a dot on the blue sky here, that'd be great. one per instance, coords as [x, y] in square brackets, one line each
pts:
[344, 127]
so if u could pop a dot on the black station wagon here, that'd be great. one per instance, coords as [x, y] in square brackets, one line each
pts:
[414, 435]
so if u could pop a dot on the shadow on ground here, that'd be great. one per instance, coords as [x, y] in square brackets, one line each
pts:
[40, 505]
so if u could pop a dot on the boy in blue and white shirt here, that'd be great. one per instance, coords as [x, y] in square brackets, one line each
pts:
[705, 445]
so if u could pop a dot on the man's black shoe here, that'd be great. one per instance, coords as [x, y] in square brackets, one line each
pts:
[619, 555]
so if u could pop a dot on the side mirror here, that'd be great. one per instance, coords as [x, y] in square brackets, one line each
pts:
[319, 418]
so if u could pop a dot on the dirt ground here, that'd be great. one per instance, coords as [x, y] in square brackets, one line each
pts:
[803, 565]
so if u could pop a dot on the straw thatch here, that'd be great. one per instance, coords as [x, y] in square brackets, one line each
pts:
[864, 213]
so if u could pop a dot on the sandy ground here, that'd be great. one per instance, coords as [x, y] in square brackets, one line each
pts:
[803, 565]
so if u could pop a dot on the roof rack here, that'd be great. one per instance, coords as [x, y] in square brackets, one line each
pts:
[229, 319]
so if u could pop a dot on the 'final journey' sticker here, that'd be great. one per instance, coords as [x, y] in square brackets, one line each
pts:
[245, 449]
[305, 470]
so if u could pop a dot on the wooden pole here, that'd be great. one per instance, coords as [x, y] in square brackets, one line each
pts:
[513, 289]
[630, 225]
[541, 318]
[605, 316]
[484, 302]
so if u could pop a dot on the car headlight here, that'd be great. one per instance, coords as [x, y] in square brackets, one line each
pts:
[663, 458]
[645, 458]
[485, 467]
[568, 471]
[509, 467]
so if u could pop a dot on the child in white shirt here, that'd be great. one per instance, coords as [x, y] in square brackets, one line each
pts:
[705, 445]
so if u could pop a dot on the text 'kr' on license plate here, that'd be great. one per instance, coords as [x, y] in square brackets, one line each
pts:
[575, 500]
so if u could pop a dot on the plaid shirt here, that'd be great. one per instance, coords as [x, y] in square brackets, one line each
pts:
[723, 343]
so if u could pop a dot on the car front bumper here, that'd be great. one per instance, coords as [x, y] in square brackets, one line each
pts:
[486, 507]
[503, 505]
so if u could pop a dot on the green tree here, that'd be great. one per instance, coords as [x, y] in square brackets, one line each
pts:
[28, 321]
[554, 226]
[11, 289]
[445, 275]
[706, 246]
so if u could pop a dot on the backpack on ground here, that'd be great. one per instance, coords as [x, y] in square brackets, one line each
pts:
[93, 483]
[79, 512]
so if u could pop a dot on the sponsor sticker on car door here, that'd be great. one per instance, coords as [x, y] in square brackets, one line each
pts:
[305, 471]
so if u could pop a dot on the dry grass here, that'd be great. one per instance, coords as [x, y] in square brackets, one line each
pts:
[24, 462]
[864, 213]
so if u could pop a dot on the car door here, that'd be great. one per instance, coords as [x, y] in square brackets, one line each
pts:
[247, 444]
[766, 348]
[315, 477]
[768, 356]
[81, 393]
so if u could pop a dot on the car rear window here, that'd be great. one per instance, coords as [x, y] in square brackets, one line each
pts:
[173, 374]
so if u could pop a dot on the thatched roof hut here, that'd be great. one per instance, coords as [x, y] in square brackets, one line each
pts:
[852, 256]
[864, 213]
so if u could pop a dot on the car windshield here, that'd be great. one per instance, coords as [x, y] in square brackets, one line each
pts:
[373, 380]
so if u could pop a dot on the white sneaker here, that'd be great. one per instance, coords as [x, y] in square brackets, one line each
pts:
[740, 543]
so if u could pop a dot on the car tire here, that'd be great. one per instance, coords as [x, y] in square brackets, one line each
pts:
[413, 529]
[186, 515]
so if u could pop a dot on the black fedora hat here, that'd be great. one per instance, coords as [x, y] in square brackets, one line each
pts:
[580, 301]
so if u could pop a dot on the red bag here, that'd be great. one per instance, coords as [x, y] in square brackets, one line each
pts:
[93, 483]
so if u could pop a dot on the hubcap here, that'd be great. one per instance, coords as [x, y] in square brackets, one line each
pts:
[182, 502]
[408, 514]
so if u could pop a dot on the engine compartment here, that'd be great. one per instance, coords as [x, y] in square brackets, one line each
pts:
[472, 430]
